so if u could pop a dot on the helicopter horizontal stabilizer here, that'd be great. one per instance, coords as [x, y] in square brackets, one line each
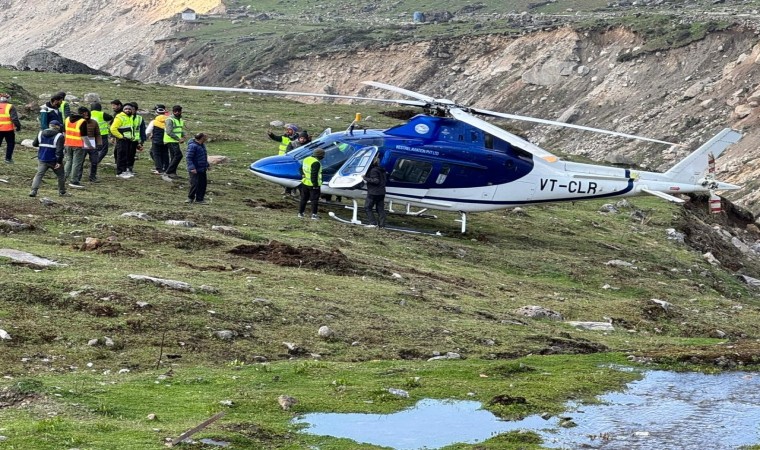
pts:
[664, 196]
[693, 167]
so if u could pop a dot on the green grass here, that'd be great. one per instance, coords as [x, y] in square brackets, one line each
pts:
[456, 293]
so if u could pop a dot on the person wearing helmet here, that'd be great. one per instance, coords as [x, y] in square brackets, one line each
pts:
[284, 139]
[9, 124]
[311, 182]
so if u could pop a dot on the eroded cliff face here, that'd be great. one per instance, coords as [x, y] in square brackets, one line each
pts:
[93, 32]
[683, 95]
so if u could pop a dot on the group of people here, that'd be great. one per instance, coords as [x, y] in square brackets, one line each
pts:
[68, 136]
[311, 177]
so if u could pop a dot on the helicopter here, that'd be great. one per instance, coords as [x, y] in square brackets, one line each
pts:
[448, 159]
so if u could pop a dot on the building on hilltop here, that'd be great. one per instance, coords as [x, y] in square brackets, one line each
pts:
[189, 14]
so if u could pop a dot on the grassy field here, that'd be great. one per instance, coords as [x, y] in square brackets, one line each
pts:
[392, 300]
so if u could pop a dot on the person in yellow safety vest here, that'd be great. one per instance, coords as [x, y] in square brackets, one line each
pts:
[311, 182]
[122, 128]
[103, 120]
[284, 140]
[64, 108]
[9, 124]
[75, 133]
[174, 134]
[138, 137]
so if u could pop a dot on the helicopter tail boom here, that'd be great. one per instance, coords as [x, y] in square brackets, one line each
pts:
[692, 168]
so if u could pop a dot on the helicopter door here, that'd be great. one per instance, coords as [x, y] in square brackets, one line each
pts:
[350, 173]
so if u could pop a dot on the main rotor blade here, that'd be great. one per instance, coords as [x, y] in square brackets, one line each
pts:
[303, 94]
[568, 125]
[399, 90]
[503, 135]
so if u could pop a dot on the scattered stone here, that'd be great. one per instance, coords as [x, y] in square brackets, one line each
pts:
[592, 326]
[123, 371]
[608, 208]
[398, 392]
[137, 215]
[259, 359]
[396, 276]
[751, 282]
[217, 159]
[448, 355]
[92, 342]
[546, 416]
[538, 312]
[151, 416]
[47, 202]
[4, 335]
[226, 403]
[108, 341]
[12, 225]
[673, 235]
[208, 289]
[229, 231]
[503, 399]
[325, 332]
[567, 422]
[718, 334]
[91, 244]
[225, 335]
[620, 263]
[27, 143]
[24, 258]
[180, 223]
[286, 401]
[277, 123]
[667, 306]
[711, 259]
[171, 284]
[143, 305]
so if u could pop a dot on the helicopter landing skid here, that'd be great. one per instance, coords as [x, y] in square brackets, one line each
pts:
[409, 211]
[355, 221]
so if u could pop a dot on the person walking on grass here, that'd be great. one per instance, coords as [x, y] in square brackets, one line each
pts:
[174, 134]
[197, 166]
[311, 182]
[50, 156]
[9, 124]
[158, 150]
[91, 141]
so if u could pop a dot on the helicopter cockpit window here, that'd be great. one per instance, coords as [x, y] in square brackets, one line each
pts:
[442, 176]
[410, 171]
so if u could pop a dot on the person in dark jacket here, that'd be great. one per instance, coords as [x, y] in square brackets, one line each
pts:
[103, 120]
[197, 166]
[284, 139]
[375, 179]
[49, 112]
[50, 155]
[158, 150]
[311, 182]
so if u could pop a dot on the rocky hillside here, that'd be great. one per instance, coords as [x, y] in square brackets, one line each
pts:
[93, 32]
[602, 76]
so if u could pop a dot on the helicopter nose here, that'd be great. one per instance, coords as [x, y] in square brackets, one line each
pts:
[277, 167]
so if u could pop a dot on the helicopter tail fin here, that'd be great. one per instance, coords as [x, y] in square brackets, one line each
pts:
[692, 168]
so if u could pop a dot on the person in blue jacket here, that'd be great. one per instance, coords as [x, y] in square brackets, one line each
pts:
[50, 156]
[197, 166]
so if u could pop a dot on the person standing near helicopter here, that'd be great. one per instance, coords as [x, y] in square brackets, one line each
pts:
[375, 179]
[285, 139]
[311, 182]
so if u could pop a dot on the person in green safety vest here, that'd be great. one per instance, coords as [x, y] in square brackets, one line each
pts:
[311, 182]
[64, 108]
[103, 120]
[174, 134]
[285, 139]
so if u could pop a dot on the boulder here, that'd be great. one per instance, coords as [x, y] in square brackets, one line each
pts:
[43, 60]
[217, 159]
[538, 312]
[171, 284]
[24, 258]
[593, 326]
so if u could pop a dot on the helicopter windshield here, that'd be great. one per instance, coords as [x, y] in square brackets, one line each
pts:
[336, 153]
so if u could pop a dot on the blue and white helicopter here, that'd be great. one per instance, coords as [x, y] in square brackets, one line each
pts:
[448, 159]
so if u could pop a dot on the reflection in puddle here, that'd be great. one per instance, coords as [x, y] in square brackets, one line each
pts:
[668, 410]
[664, 410]
[429, 424]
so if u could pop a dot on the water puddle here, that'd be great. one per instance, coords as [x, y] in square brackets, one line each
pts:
[664, 410]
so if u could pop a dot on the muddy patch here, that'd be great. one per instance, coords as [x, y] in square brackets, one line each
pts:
[263, 203]
[286, 255]
[565, 344]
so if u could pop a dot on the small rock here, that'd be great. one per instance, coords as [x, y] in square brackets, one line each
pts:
[719, 334]
[546, 416]
[172, 284]
[538, 312]
[4, 335]
[123, 371]
[27, 143]
[92, 342]
[398, 392]
[620, 263]
[91, 244]
[325, 332]
[224, 335]
[143, 305]
[448, 355]
[208, 289]
[286, 401]
[229, 231]
[396, 276]
[593, 326]
[151, 416]
[108, 341]
[673, 235]
[217, 159]
[225, 402]
[711, 259]
[47, 202]
[608, 208]
[667, 306]
[180, 223]
[137, 215]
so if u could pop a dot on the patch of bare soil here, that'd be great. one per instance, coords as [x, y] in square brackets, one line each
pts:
[282, 254]
[11, 397]
[697, 224]
[566, 344]
[260, 202]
